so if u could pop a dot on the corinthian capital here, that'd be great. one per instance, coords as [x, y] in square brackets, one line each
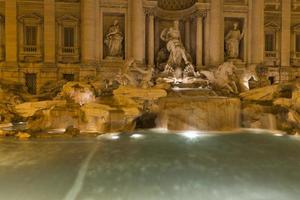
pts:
[150, 11]
[199, 13]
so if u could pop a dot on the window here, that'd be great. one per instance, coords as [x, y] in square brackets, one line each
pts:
[297, 43]
[270, 42]
[30, 82]
[30, 36]
[68, 42]
[68, 77]
[69, 37]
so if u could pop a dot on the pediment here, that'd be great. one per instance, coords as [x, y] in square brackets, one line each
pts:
[296, 27]
[67, 18]
[272, 26]
[30, 18]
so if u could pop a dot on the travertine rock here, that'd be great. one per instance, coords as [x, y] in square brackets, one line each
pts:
[294, 116]
[23, 135]
[261, 94]
[296, 99]
[137, 96]
[283, 102]
[258, 116]
[72, 131]
[78, 92]
[91, 117]
[28, 109]
[51, 89]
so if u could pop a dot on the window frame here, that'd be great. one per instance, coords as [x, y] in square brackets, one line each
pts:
[273, 34]
[30, 52]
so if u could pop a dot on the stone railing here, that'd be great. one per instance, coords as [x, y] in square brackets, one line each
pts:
[271, 54]
[30, 49]
[69, 50]
[272, 58]
[295, 60]
[30, 53]
[68, 54]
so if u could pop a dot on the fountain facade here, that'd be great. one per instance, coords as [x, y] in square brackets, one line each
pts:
[159, 57]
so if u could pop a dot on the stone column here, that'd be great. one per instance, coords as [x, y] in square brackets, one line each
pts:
[137, 17]
[1, 39]
[286, 33]
[187, 39]
[216, 32]
[11, 31]
[88, 31]
[257, 29]
[199, 39]
[151, 27]
[49, 31]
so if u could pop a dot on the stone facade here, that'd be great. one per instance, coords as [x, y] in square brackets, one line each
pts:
[50, 40]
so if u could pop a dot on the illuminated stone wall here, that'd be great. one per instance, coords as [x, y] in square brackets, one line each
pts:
[204, 25]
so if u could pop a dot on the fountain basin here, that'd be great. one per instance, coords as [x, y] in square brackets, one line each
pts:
[199, 113]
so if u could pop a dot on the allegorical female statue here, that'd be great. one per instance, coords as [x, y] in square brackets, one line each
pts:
[114, 40]
[232, 41]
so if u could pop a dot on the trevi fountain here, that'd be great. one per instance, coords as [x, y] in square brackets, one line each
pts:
[174, 95]
[149, 99]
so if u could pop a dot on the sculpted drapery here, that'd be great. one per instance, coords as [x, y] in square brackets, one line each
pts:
[232, 41]
[114, 40]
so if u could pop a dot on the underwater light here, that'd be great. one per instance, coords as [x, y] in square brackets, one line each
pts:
[115, 137]
[110, 136]
[136, 136]
[278, 135]
[60, 130]
[159, 130]
[191, 134]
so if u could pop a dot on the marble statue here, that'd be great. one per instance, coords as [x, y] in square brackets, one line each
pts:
[232, 40]
[178, 59]
[131, 75]
[223, 77]
[246, 76]
[114, 40]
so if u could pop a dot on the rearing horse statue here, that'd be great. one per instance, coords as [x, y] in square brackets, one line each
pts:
[223, 77]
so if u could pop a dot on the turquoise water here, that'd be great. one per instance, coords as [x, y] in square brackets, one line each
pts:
[148, 165]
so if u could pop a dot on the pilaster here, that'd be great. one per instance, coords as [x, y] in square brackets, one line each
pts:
[150, 13]
[88, 32]
[286, 33]
[216, 32]
[49, 31]
[11, 32]
[137, 17]
[257, 37]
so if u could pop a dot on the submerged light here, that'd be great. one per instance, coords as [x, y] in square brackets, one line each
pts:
[191, 134]
[110, 136]
[136, 136]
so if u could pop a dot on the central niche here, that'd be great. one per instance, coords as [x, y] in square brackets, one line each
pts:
[175, 4]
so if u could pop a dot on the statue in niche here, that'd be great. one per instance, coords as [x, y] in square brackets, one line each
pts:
[114, 41]
[232, 40]
[178, 63]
